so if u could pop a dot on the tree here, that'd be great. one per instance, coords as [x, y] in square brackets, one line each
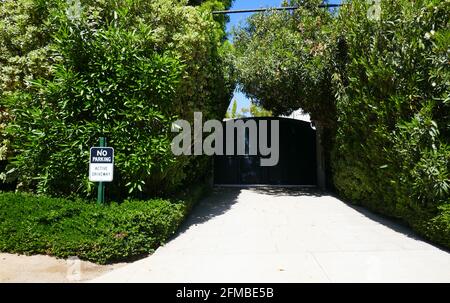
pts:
[253, 111]
[226, 3]
[233, 114]
[234, 109]
[284, 60]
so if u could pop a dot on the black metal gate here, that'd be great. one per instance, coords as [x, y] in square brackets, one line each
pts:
[296, 165]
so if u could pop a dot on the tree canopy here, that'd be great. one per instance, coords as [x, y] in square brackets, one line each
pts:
[283, 60]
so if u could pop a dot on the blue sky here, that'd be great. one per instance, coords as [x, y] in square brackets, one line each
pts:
[236, 19]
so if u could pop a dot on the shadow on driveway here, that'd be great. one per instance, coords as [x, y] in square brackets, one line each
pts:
[288, 191]
[395, 224]
[221, 199]
[218, 202]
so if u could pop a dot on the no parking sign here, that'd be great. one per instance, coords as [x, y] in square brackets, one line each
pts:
[101, 164]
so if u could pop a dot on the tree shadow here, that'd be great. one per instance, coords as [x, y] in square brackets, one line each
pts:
[295, 191]
[395, 224]
[218, 202]
[221, 199]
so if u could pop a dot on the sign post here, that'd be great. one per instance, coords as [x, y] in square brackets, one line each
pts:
[101, 167]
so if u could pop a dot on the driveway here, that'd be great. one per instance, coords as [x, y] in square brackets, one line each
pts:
[287, 235]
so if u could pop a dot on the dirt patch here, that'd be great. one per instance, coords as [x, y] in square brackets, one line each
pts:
[40, 268]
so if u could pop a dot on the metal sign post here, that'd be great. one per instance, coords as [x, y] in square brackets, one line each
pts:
[101, 185]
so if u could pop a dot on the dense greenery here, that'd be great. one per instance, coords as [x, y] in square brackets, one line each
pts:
[286, 60]
[380, 85]
[24, 56]
[392, 144]
[257, 111]
[72, 71]
[55, 226]
[283, 60]
[123, 70]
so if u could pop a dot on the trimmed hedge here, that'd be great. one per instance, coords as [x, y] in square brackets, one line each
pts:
[32, 224]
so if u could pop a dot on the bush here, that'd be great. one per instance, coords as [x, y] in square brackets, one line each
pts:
[117, 232]
[25, 55]
[437, 227]
[391, 151]
[120, 69]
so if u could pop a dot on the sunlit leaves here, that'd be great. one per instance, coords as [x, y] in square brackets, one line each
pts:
[392, 143]
[125, 70]
[283, 60]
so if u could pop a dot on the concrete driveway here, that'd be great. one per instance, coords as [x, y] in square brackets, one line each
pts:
[287, 235]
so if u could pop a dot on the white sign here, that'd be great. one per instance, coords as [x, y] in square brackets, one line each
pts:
[101, 164]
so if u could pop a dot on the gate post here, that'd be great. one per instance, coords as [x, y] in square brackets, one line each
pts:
[321, 183]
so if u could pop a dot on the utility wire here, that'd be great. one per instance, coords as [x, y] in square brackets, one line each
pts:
[285, 8]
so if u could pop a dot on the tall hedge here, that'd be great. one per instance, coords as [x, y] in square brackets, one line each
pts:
[24, 56]
[120, 69]
[392, 149]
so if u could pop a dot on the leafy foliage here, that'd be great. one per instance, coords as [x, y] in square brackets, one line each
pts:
[226, 3]
[283, 60]
[392, 151]
[252, 111]
[102, 234]
[124, 70]
[24, 56]
[259, 111]
[233, 114]
[24, 43]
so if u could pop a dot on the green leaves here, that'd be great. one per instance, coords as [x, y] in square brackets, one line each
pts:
[102, 234]
[124, 70]
[391, 151]
[283, 60]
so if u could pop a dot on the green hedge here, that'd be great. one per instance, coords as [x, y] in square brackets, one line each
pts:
[124, 70]
[32, 224]
[392, 150]
[437, 228]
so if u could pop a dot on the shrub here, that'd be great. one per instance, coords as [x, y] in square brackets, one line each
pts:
[391, 152]
[124, 70]
[437, 227]
[117, 232]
